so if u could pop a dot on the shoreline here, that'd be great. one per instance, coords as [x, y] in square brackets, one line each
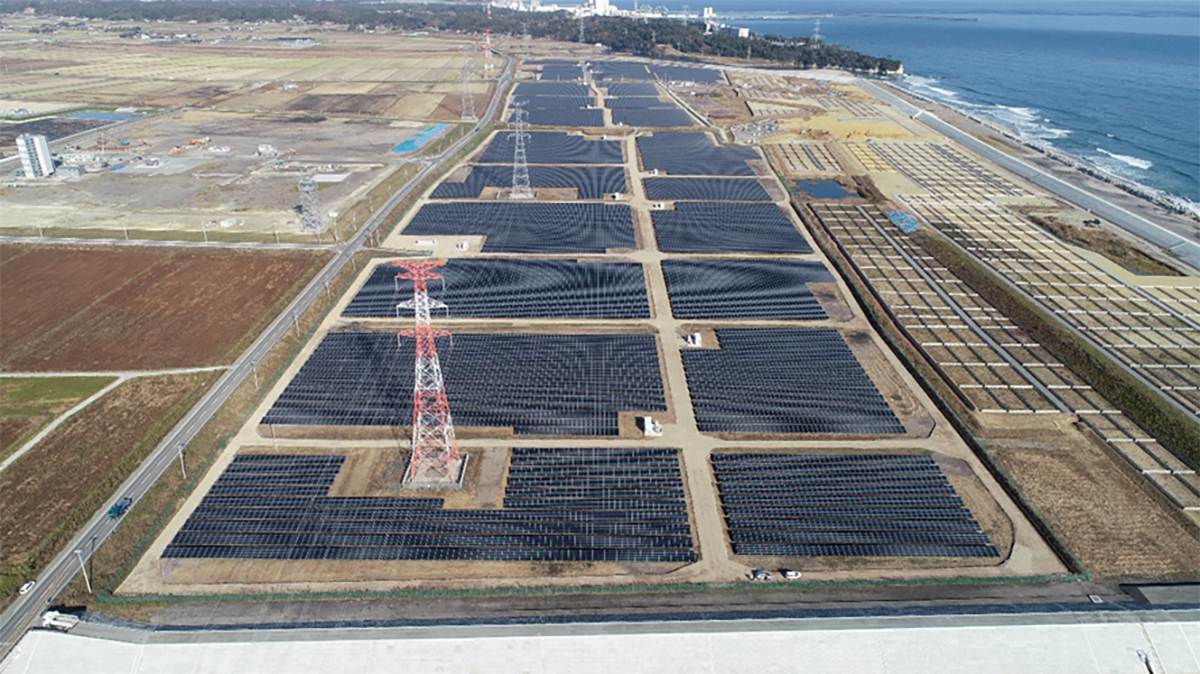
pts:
[1173, 203]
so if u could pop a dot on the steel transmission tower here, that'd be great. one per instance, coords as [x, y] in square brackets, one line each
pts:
[816, 36]
[581, 35]
[310, 205]
[520, 179]
[487, 52]
[435, 458]
[468, 98]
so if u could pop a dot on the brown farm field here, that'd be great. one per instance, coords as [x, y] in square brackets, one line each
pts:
[54, 488]
[103, 309]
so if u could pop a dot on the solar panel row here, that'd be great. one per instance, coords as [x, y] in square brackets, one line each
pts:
[501, 288]
[844, 505]
[717, 227]
[654, 117]
[746, 289]
[784, 380]
[592, 182]
[705, 189]
[693, 154]
[553, 147]
[530, 227]
[539, 384]
[635, 523]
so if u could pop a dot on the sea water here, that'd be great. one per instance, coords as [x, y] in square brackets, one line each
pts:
[1116, 84]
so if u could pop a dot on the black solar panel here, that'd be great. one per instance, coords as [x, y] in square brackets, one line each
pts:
[632, 89]
[722, 227]
[551, 89]
[749, 289]
[553, 147]
[693, 154]
[783, 380]
[580, 117]
[844, 505]
[543, 227]
[639, 102]
[593, 182]
[548, 102]
[705, 189]
[538, 384]
[626, 521]
[503, 288]
[653, 118]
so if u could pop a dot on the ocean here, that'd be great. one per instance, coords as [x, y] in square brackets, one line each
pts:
[1116, 84]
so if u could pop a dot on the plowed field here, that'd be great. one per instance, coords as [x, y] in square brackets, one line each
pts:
[104, 309]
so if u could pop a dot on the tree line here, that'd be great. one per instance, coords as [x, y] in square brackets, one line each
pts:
[653, 37]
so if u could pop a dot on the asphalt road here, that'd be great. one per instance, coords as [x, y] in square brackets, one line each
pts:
[27, 609]
[1184, 248]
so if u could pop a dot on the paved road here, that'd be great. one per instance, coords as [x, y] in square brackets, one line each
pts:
[27, 609]
[1184, 248]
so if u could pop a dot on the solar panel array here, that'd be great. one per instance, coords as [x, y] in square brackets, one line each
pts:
[553, 147]
[537, 102]
[744, 289]
[639, 103]
[715, 227]
[593, 182]
[537, 384]
[564, 117]
[784, 380]
[844, 506]
[693, 154]
[503, 288]
[618, 89]
[619, 505]
[552, 70]
[551, 89]
[705, 189]
[633, 70]
[543, 227]
[655, 117]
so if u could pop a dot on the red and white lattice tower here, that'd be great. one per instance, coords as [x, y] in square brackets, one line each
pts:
[487, 52]
[435, 458]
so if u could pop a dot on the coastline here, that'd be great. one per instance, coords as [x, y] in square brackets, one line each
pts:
[1071, 171]
[1171, 203]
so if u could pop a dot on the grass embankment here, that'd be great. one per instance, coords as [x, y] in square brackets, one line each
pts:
[1162, 420]
[113, 561]
[1107, 244]
[52, 490]
[27, 405]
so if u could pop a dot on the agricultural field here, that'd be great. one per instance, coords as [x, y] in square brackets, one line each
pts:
[55, 487]
[27, 405]
[68, 309]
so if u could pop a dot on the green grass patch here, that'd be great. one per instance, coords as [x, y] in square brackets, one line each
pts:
[27, 405]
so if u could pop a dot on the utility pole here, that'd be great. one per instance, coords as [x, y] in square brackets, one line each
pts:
[83, 568]
[182, 466]
[468, 98]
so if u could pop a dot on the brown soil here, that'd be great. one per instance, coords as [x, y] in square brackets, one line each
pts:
[15, 428]
[60, 483]
[1114, 528]
[137, 309]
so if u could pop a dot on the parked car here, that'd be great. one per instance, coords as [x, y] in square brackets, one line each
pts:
[790, 574]
[760, 574]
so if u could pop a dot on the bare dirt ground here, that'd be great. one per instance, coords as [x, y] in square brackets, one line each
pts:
[1110, 523]
[137, 309]
[57, 485]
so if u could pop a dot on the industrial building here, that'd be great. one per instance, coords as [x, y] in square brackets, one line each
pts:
[36, 159]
